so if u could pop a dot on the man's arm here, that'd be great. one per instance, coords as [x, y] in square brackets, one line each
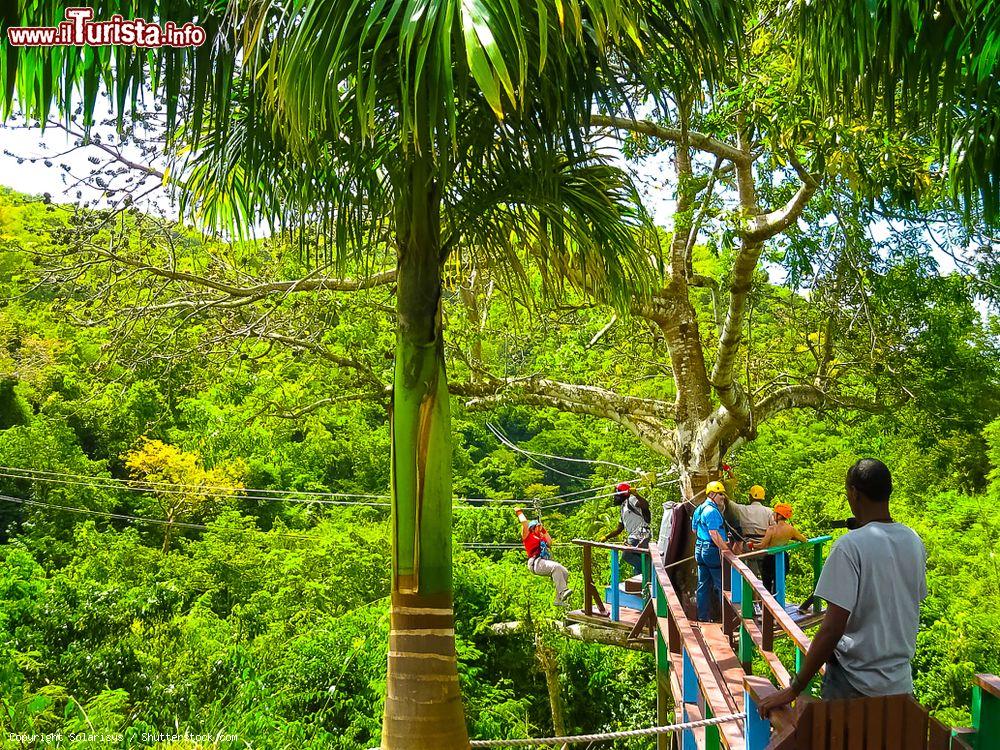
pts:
[524, 523]
[616, 532]
[823, 645]
[721, 543]
[798, 536]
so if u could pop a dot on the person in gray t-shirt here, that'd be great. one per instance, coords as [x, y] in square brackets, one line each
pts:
[873, 581]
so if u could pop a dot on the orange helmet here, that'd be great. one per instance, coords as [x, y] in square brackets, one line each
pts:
[784, 510]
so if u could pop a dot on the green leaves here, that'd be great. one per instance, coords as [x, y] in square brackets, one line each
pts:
[921, 61]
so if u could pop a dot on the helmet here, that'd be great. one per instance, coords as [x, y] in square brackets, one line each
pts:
[757, 492]
[532, 524]
[624, 487]
[784, 510]
[715, 487]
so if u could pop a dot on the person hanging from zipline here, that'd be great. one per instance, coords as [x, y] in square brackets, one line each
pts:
[538, 543]
[633, 518]
[711, 540]
[779, 533]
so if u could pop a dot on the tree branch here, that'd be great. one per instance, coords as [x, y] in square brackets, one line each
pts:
[808, 396]
[258, 291]
[697, 140]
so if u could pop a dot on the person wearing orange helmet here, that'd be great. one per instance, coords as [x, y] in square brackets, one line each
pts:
[779, 533]
[633, 518]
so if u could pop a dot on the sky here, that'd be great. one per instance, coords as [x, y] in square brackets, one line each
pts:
[652, 175]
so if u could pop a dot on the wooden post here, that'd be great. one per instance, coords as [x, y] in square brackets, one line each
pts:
[663, 697]
[647, 574]
[758, 730]
[746, 613]
[615, 591]
[986, 711]
[689, 687]
[817, 570]
[588, 580]
[779, 578]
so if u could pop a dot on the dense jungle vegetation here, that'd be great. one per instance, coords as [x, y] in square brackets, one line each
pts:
[267, 617]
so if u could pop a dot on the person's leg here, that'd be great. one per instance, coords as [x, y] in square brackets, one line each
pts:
[705, 582]
[635, 560]
[767, 566]
[560, 577]
[556, 572]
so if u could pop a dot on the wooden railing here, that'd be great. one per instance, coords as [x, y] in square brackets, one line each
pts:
[678, 653]
[591, 594]
[743, 588]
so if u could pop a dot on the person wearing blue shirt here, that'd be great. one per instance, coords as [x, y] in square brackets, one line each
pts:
[710, 540]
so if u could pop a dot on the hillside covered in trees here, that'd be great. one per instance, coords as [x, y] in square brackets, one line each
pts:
[262, 612]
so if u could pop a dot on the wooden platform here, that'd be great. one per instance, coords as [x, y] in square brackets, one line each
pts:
[628, 617]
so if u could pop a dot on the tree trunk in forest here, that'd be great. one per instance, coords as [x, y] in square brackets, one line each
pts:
[423, 706]
[550, 668]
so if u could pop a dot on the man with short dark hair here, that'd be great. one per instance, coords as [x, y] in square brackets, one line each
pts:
[873, 582]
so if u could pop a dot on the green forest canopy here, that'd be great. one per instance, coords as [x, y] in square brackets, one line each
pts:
[252, 629]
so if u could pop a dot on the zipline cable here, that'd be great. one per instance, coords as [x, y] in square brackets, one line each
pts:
[113, 483]
[204, 527]
[506, 442]
[499, 433]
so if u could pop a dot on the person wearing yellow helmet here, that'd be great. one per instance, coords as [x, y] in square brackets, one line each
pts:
[711, 539]
[754, 519]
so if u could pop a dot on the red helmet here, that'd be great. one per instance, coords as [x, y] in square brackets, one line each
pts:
[623, 487]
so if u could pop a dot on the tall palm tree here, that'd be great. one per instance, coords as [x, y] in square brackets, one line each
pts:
[447, 128]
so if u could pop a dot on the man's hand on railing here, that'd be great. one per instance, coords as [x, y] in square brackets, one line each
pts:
[776, 700]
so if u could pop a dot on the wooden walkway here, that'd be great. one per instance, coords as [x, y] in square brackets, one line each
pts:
[704, 669]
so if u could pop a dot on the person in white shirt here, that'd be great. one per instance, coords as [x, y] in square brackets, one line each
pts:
[873, 582]
[754, 518]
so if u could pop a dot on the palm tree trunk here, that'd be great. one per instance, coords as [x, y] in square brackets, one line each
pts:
[423, 706]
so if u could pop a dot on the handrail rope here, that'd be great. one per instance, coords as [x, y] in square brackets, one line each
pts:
[607, 736]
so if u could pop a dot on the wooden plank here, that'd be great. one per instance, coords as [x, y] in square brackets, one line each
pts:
[857, 713]
[914, 724]
[894, 723]
[875, 723]
[938, 735]
[820, 726]
[606, 545]
[725, 662]
[963, 738]
[709, 683]
[804, 730]
[838, 725]
[990, 683]
[768, 601]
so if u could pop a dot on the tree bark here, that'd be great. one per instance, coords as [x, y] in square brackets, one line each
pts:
[423, 706]
[550, 668]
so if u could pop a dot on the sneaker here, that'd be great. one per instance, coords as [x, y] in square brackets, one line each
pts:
[564, 599]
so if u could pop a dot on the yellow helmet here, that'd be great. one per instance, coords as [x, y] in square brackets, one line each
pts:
[757, 492]
[715, 487]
